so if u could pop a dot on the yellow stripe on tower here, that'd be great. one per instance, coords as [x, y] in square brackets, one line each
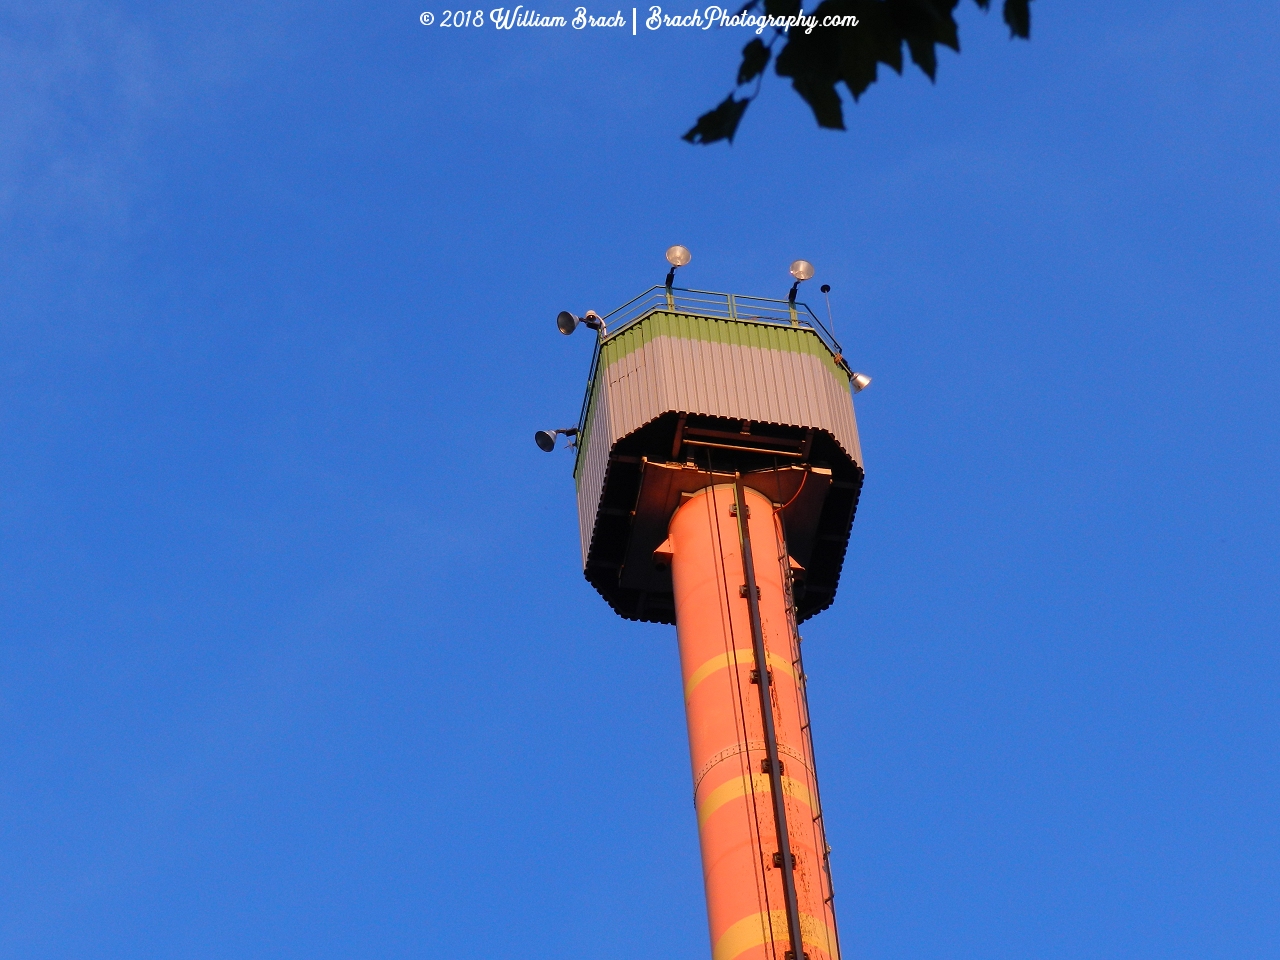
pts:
[742, 656]
[755, 930]
[759, 783]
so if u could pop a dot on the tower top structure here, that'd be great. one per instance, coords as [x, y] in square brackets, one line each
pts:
[690, 383]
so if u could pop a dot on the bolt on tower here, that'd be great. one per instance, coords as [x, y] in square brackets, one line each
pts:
[718, 470]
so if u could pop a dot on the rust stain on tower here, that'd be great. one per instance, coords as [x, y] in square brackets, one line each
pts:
[718, 471]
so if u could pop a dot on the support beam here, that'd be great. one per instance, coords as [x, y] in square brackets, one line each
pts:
[785, 858]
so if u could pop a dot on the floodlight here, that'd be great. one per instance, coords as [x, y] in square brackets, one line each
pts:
[860, 382]
[802, 269]
[546, 439]
[677, 256]
[567, 322]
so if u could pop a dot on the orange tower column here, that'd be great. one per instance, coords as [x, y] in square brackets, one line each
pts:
[742, 868]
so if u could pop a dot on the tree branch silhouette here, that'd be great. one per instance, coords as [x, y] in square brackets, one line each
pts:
[817, 62]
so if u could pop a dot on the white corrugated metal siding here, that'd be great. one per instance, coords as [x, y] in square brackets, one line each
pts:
[728, 380]
[600, 439]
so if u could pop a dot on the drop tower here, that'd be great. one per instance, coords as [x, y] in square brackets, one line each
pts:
[718, 470]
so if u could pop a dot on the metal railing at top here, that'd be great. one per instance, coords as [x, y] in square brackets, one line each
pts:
[706, 303]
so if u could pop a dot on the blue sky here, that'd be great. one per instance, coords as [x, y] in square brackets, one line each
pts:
[297, 659]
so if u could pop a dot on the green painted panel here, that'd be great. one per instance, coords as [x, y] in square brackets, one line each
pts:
[735, 332]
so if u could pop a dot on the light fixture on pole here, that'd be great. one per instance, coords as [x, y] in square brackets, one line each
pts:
[802, 270]
[678, 257]
[860, 382]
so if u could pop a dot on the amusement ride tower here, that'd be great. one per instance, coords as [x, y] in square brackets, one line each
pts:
[718, 470]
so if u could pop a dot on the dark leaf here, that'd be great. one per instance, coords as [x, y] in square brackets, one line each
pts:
[720, 123]
[923, 56]
[923, 24]
[812, 60]
[755, 57]
[945, 29]
[927, 20]
[876, 39]
[1017, 14]
[824, 101]
[817, 62]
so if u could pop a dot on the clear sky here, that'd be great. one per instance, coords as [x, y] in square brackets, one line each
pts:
[296, 657]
